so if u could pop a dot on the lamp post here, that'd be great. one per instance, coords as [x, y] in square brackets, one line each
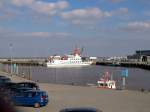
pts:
[10, 47]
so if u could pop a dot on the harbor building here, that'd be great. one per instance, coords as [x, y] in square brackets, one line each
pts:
[140, 55]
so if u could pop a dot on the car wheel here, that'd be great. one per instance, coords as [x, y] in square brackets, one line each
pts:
[36, 105]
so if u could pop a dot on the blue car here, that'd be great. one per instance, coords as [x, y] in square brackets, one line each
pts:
[36, 98]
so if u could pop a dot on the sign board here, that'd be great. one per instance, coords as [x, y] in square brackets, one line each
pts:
[124, 73]
[14, 67]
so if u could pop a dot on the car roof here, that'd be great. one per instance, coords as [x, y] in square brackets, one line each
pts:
[11, 82]
[24, 88]
[27, 83]
[4, 78]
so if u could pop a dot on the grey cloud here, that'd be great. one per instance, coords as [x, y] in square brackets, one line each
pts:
[14, 34]
[48, 34]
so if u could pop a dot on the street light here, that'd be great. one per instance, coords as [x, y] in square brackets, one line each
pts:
[10, 47]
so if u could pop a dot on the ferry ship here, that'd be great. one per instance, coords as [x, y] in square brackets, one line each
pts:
[72, 60]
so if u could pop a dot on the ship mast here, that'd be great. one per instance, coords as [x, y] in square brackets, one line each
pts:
[76, 51]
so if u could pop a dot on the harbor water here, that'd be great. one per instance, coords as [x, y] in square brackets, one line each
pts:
[84, 76]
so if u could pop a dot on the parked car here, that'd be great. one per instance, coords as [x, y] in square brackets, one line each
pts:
[3, 82]
[4, 79]
[82, 109]
[34, 98]
[1, 76]
[7, 87]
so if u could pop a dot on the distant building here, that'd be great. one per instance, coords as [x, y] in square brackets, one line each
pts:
[140, 55]
[117, 58]
[93, 58]
[143, 52]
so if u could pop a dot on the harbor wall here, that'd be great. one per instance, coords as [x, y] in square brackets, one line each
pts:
[143, 65]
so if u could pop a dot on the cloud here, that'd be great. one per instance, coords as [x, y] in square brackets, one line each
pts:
[23, 2]
[49, 8]
[47, 34]
[137, 26]
[85, 13]
[6, 13]
[10, 33]
[81, 16]
[90, 15]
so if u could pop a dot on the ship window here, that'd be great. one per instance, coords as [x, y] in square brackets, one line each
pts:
[101, 84]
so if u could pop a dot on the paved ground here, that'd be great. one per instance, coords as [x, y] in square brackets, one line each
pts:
[62, 96]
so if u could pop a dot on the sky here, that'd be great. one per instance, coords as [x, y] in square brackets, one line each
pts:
[46, 27]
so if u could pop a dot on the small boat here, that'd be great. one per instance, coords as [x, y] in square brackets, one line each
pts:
[106, 82]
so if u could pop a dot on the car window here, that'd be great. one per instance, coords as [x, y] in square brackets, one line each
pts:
[30, 95]
[20, 94]
[44, 94]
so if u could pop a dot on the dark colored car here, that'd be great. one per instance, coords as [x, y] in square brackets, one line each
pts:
[32, 85]
[34, 98]
[10, 84]
[13, 88]
[7, 87]
[82, 109]
[3, 81]
[1, 76]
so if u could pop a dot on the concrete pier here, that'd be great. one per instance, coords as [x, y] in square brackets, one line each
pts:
[62, 96]
[143, 65]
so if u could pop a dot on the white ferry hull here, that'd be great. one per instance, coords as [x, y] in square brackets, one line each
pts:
[51, 65]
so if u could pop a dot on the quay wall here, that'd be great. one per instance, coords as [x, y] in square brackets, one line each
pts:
[143, 65]
[28, 63]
